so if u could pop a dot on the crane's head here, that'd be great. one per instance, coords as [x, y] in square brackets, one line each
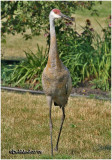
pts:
[56, 14]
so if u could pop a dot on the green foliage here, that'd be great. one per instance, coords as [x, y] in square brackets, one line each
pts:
[6, 71]
[76, 53]
[18, 16]
[73, 126]
[29, 71]
[87, 55]
[103, 72]
[102, 64]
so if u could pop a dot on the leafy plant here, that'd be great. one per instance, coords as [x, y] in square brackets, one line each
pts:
[87, 55]
[77, 51]
[29, 71]
[6, 71]
[18, 16]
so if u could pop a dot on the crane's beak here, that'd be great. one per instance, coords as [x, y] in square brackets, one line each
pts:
[66, 17]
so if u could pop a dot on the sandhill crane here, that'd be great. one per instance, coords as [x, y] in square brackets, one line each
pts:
[56, 80]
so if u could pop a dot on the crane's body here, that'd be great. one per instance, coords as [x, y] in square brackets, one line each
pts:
[56, 78]
[57, 84]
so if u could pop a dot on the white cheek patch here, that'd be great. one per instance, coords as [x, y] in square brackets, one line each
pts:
[55, 15]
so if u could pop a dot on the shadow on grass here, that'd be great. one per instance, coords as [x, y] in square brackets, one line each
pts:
[103, 148]
[106, 147]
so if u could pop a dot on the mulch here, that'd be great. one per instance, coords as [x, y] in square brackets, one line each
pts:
[87, 90]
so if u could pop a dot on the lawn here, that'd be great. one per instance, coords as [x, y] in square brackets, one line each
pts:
[86, 132]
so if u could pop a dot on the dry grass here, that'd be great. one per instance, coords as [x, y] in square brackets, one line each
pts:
[16, 45]
[81, 22]
[25, 125]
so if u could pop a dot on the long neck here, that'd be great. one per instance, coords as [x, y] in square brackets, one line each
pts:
[53, 59]
[53, 44]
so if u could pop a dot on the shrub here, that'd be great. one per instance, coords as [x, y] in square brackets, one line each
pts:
[87, 55]
[29, 70]
[6, 71]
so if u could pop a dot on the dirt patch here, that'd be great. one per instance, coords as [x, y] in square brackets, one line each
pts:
[86, 89]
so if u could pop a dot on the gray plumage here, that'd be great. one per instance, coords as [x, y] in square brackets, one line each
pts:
[56, 79]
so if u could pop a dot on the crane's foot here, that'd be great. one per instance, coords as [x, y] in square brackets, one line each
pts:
[56, 149]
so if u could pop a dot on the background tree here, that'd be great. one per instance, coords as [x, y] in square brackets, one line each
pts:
[18, 16]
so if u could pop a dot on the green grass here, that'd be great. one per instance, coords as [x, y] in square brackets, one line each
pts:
[86, 131]
[104, 10]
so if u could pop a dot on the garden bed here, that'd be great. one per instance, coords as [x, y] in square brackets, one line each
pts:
[84, 89]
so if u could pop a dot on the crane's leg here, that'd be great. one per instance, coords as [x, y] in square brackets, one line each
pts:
[49, 99]
[63, 117]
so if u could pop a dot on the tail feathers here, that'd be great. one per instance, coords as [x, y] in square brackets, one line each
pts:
[57, 104]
